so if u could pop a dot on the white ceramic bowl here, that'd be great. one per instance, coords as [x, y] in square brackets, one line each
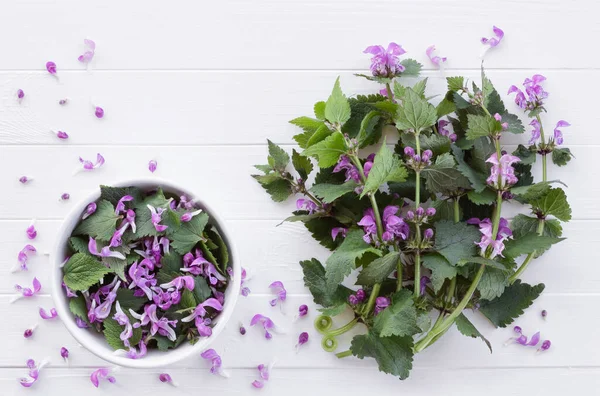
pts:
[95, 342]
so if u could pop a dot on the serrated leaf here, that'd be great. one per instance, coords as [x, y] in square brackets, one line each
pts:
[532, 191]
[114, 194]
[387, 167]
[523, 225]
[333, 311]
[440, 269]
[324, 295]
[477, 179]
[455, 241]
[466, 328]
[378, 270]
[302, 165]
[112, 332]
[399, 319]
[553, 203]
[201, 289]
[78, 307]
[79, 245]
[319, 110]
[337, 108]
[309, 125]
[367, 127]
[437, 143]
[128, 301]
[189, 234]
[116, 265]
[278, 188]
[221, 252]
[327, 151]
[528, 243]
[446, 106]
[482, 125]
[561, 156]
[394, 354]
[278, 158]
[443, 177]
[187, 300]
[482, 260]
[516, 298]
[321, 134]
[482, 150]
[492, 283]
[411, 67]
[101, 224]
[320, 229]
[485, 197]
[330, 192]
[455, 83]
[415, 113]
[342, 261]
[514, 123]
[83, 271]
[526, 154]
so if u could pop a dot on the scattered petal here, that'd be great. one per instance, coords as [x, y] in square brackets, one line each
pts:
[31, 231]
[266, 323]
[51, 67]
[64, 353]
[29, 332]
[494, 41]
[215, 359]
[436, 60]
[302, 339]
[545, 346]
[101, 373]
[44, 315]
[25, 179]
[23, 257]
[99, 112]
[88, 165]
[279, 290]
[65, 197]
[63, 102]
[152, 165]
[20, 94]
[62, 135]
[89, 210]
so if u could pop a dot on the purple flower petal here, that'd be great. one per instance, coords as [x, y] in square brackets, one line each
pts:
[65, 197]
[88, 165]
[89, 210]
[216, 362]
[44, 315]
[545, 346]
[494, 41]
[25, 179]
[64, 353]
[63, 102]
[62, 135]
[101, 373]
[436, 60]
[99, 112]
[51, 67]
[152, 165]
[266, 323]
[258, 384]
[24, 255]
[20, 94]
[279, 290]
[31, 232]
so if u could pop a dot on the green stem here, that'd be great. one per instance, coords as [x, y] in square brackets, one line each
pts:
[344, 354]
[456, 210]
[417, 287]
[446, 323]
[345, 328]
[530, 256]
[372, 298]
[398, 272]
[390, 95]
[543, 146]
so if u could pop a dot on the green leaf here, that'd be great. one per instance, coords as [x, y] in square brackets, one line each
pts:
[334, 311]
[387, 167]
[378, 270]
[128, 301]
[201, 289]
[394, 354]
[319, 110]
[482, 149]
[516, 298]
[341, 262]
[465, 327]
[482, 125]
[113, 330]
[278, 188]
[368, 126]
[399, 319]
[491, 98]
[101, 224]
[561, 156]
[554, 203]
[308, 125]
[189, 234]
[455, 83]
[492, 283]
[443, 177]
[187, 300]
[415, 113]
[455, 241]
[477, 179]
[420, 86]
[440, 269]
[327, 151]
[278, 158]
[114, 194]
[302, 165]
[482, 260]
[532, 191]
[446, 106]
[78, 307]
[320, 135]
[528, 243]
[324, 295]
[221, 252]
[523, 225]
[143, 215]
[83, 271]
[526, 154]
[437, 143]
[331, 192]
[116, 265]
[337, 108]
[79, 245]
[514, 123]
[485, 197]
[411, 67]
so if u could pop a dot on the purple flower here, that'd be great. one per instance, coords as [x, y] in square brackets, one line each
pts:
[244, 291]
[215, 360]
[51, 67]
[26, 291]
[81, 323]
[62, 135]
[558, 137]
[302, 339]
[306, 204]
[166, 378]
[88, 165]
[31, 232]
[103, 310]
[521, 339]
[28, 333]
[545, 346]
[344, 164]
[20, 94]
[485, 227]
[200, 312]
[89, 210]
[357, 298]
[264, 373]
[121, 204]
[393, 225]
[535, 93]
[24, 255]
[34, 372]
[198, 265]
[423, 284]
[152, 165]
[258, 384]
[444, 131]
[279, 290]
[101, 373]
[242, 329]
[123, 320]
[494, 41]
[104, 252]
[25, 179]
[157, 218]
[64, 353]
[99, 112]
[88, 55]
[65, 197]
[302, 310]
[133, 353]
[428, 234]
[190, 215]
[338, 230]
[266, 323]
[381, 303]
[536, 132]
[385, 63]
[162, 326]
[44, 315]
[63, 102]
[436, 60]
[544, 313]
[502, 174]
[179, 283]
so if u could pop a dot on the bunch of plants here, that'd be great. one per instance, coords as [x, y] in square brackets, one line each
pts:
[415, 227]
[147, 269]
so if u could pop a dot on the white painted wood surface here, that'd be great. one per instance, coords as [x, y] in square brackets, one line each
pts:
[199, 86]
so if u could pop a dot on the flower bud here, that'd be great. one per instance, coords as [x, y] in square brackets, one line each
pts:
[428, 234]
[360, 294]
[420, 211]
[430, 212]
[410, 215]
[427, 154]
[409, 151]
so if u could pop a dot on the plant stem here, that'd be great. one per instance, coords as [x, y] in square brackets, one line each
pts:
[543, 139]
[399, 274]
[446, 323]
[344, 354]
[456, 210]
[345, 328]
[390, 95]
[416, 288]
[372, 298]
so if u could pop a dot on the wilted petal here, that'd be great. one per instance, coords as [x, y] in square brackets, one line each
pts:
[44, 315]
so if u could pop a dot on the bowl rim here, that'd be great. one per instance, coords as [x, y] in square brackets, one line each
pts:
[84, 336]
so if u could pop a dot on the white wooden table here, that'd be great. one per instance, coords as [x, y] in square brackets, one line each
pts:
[199, 86]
